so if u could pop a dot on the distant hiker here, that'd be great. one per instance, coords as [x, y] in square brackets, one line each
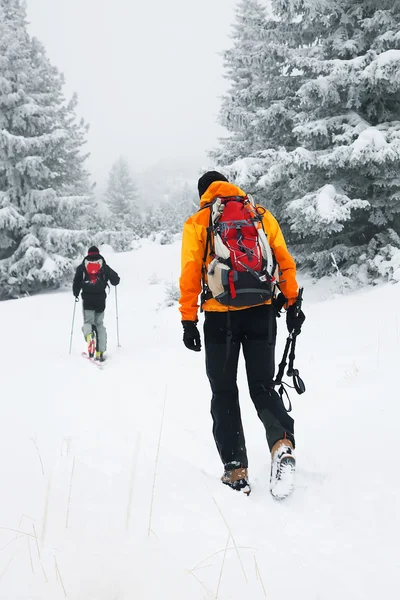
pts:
[92, 277]
[230, 250]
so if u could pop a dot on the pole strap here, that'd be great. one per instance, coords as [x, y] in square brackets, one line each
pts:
[298, 383]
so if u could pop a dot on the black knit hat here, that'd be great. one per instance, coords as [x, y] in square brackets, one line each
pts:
[93, 250]
[207, 179]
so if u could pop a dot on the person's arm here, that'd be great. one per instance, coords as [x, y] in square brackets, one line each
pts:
[191, 270]
[77, 283]
[112, 276]
[287, 266]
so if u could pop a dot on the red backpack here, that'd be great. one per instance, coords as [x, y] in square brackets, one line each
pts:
[242, 270]
[94, 281]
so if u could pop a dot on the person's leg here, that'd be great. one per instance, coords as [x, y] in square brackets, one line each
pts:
[101, 332]
[88, 321]
[259, 336]
[221, 365]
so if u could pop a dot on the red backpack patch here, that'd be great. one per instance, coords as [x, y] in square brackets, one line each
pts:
[93, 270]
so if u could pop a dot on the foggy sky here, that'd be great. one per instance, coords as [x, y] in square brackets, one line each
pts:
[148, 73]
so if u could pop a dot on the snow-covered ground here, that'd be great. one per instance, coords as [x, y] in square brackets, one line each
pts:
[110, 479]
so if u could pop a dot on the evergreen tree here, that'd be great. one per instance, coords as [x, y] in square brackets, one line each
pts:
[348, 131]
[328, 163]
[122, 198]
[152, 219]
[180, 203]
[258, 110]
[187, 202]
[42, 177]
[245, 68]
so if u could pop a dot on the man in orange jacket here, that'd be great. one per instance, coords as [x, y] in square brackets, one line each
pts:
[229, 326]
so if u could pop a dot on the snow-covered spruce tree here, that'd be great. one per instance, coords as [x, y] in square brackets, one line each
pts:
[244, 65]
[122, 198]
[187, 201]
[330, 172]
[152, 219]
[258, 108]
[343, 179]
[42, 178]
[181, 201]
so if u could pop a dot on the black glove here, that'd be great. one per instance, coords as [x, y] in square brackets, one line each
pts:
[294, 319]
[278, 303]
[191, 335]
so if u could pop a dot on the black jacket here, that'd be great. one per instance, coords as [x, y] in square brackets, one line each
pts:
[94, 296]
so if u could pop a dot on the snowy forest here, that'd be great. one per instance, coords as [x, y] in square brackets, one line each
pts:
[49, 208]
[312, 115]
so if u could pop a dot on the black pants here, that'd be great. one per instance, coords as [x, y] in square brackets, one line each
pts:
[255, 330]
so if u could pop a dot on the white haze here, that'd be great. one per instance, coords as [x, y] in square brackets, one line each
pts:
[149, 75]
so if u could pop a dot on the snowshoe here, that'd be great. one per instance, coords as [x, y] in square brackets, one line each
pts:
[92, 360]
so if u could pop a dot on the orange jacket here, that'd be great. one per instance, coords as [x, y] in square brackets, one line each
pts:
[193, 247]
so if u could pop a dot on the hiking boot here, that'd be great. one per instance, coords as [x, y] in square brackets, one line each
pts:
[236, 477]
[283, 466]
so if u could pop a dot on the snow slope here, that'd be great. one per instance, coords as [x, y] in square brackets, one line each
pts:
[110, 478]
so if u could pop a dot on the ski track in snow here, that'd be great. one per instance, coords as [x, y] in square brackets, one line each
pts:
[110, 477]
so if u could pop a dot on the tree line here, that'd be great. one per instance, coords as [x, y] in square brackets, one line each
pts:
[313, 121]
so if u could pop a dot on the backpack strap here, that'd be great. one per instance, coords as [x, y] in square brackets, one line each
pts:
[208, 249]
[257, 213]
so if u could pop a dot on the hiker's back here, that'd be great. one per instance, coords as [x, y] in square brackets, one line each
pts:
[94, 279]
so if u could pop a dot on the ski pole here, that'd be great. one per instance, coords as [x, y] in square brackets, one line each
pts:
[283, 362]
[116, 312]
[73, 323]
